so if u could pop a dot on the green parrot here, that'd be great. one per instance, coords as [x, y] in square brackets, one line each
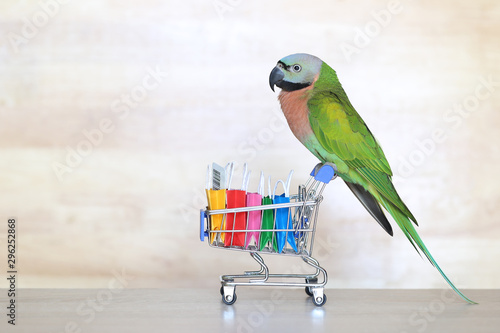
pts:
[323, 119]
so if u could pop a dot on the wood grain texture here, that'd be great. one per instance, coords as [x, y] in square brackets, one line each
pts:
[256, 310]
[111, 111]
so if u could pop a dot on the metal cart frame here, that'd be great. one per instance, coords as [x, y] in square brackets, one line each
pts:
[303, 212]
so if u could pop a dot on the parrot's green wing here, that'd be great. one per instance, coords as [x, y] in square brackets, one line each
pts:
[341, 131]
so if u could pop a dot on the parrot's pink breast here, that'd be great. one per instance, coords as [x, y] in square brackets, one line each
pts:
[294, 106]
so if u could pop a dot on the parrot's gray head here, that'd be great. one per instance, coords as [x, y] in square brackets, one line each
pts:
[296, 71]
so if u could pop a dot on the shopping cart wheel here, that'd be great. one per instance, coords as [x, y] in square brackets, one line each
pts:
[308, 289]
[319, 301]
[229, 299]
[228, 294]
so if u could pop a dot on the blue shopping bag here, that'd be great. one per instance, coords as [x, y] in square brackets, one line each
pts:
[283, 216]
[284, 221]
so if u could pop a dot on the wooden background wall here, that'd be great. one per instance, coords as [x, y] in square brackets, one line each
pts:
[111, 111]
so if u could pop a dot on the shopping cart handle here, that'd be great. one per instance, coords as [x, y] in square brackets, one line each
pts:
[324, 172]
[203, 232]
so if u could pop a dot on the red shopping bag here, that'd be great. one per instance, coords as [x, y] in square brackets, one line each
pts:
[235, 222]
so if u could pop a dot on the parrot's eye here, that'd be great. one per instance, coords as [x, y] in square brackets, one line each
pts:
[296, 68]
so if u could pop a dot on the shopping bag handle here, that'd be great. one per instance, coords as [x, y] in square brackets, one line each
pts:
[324, 172]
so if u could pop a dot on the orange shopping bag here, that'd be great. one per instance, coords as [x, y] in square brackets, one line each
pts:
[216, 197]
[216, 200]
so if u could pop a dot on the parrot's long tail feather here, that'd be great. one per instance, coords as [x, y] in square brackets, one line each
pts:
[409, 230]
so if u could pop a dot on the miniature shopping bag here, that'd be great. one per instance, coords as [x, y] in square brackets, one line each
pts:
[236, 222]
[216, 198]
[283, 217]
[268, 238]
[255, 216]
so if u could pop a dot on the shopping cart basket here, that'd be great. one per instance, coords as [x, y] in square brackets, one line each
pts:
[302, 213]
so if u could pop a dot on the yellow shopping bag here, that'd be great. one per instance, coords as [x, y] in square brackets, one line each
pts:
[216, 200]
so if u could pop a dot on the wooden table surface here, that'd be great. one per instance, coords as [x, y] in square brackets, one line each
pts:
[256, 310]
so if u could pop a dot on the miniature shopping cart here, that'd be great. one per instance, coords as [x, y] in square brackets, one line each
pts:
[302, 216]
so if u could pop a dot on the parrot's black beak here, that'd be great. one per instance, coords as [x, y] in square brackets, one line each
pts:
[276, 77]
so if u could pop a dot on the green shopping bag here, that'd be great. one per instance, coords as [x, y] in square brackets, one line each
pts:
[268, 238]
